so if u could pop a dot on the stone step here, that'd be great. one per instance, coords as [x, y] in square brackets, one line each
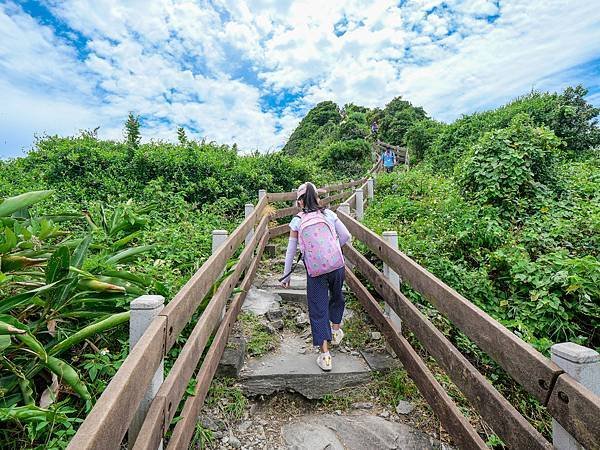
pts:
[353, 432]
[293, 367]
[286, 369]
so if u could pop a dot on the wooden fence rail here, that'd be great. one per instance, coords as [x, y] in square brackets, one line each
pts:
[576, 408]
[108, 421]
[573, 406]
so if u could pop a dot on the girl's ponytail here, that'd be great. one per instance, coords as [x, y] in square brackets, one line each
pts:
[311, 199]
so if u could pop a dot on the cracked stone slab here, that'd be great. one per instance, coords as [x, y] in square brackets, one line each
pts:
[380, 361]
[289, 370]
[356, 432]
[259, 301]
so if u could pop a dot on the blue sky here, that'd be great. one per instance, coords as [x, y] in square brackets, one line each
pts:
[247, 71]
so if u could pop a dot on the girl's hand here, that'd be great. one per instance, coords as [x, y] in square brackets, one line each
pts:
[285, 284]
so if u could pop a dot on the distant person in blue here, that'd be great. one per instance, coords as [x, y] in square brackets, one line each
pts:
[389, 159]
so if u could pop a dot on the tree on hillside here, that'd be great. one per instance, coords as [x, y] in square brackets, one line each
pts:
[398, 116]
[132, 131]
[320, 122]
[181, 136]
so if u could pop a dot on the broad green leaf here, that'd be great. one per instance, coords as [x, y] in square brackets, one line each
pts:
[58, 265]
[68, 375]
[85, 333]
[129, 253]
[4, 342]
[9, 241]
[13, 204]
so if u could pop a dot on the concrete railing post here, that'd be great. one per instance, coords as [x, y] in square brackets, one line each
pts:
[583, 364]
[360, 212]
[143, 311]
[391, 237]
[370, 189]
[261, 194]
[345, 208]
[218, 238]
[248, 209]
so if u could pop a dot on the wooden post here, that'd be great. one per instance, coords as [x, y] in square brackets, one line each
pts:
[248, 209]
[261, 194]
[218, 238]
[359, 204]
[583, 364]
[391, 237]
[370, 188]
[345, 208]
[143, 310]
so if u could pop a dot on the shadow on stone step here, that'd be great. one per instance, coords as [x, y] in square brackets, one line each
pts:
[232, 360]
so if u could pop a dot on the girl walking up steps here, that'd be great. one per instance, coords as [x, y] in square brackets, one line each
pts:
[320, 235]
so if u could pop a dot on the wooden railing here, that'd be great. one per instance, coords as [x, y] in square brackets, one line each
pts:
[572, 405]
[576, 408]
[108, 421]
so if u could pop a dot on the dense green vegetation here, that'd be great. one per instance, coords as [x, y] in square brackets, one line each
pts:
[505, 208]
[503, 205]
[87, 226]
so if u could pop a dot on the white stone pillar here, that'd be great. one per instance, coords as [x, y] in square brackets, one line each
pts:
[360, 212]
[583, 364]
[391, 237]
[370, 188]
[143, 311]
[345, 208]
[261, 194]
[248, 209]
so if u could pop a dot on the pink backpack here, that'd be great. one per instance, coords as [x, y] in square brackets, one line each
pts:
[319, 244]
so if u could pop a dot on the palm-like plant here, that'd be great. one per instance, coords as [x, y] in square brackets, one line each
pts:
[56, 292]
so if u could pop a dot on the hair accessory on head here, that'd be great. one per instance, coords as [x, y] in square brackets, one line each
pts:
[302, 189]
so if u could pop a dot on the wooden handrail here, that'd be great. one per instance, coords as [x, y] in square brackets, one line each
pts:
[173, 388]
[448, 413]
[184, 429]
[504, 419]
[542, 378]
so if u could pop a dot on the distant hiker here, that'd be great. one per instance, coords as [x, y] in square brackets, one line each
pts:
[374, 128]
[389, 159]
[321, 235]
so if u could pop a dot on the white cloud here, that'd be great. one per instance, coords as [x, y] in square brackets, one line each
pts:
[216, 66]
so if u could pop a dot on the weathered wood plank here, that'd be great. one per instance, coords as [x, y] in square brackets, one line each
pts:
[285, 212]
[185, 427]
[186, 301]
[152, 430]
[173, 388]
[577, 409]
[531, 369]
[450, 416]
[281, 196]
[333, 198]
[505, 420]
[279, 230]
[108, 421]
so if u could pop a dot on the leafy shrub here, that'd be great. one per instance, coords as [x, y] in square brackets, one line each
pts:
[568, 114]
[354, 126]
[398, 116]
[348, 157]
[510, 167]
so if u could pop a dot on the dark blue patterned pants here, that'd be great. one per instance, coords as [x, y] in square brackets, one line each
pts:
[325, 303]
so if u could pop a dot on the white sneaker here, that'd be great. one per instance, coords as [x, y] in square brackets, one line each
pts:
[324, 361]
[337, 336]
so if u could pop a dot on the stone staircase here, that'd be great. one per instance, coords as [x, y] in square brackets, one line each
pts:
[291, 368]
